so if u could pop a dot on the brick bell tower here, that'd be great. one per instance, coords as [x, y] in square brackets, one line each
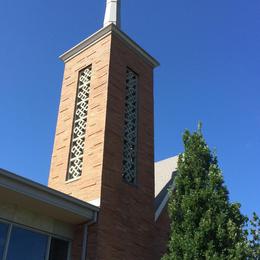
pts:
[104, 144]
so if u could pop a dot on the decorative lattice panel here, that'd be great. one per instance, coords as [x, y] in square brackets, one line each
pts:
[130, 128]
[79, 125]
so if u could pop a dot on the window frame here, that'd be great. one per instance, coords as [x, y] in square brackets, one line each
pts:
[47, 234]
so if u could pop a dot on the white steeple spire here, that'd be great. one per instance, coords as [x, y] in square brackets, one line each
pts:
[112, 14]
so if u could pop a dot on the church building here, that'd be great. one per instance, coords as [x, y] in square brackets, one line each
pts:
[106, 197]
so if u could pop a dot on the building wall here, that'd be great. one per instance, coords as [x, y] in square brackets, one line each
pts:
[77, 243]
[88, 186]
[16, 213]
[162, 231]
[126, 227]
[92, 242]
[126, 220]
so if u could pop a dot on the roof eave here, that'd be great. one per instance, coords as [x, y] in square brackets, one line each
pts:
[44, 195]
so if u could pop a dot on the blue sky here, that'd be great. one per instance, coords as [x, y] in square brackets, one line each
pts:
[210, 71]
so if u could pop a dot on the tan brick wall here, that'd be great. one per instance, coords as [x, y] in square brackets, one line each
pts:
[88, 186]
[126, 220]
[126, 227]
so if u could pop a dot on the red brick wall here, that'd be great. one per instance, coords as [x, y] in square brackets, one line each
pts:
[162, 231]
[92, 242]
[76, 246]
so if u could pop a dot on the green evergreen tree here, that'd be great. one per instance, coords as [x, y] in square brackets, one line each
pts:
[254, 237]
[204, 224]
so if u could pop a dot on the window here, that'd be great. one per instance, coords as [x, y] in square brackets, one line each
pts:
[26, 244]
[130, 128]
[18, 243]
[59, 249]
[79, 125]
[3, 236]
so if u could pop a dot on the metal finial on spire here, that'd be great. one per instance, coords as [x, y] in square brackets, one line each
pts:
[112, 14]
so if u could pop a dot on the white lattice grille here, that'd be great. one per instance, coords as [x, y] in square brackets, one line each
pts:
[130, 128]
[79, 125]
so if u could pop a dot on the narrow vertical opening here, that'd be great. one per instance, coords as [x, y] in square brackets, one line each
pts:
[130, 128]
[79, 124]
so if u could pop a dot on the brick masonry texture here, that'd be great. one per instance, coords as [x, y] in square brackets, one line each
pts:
[77, 243]
[162, 232]
[126, 220]
[88, 186]
[126, 229]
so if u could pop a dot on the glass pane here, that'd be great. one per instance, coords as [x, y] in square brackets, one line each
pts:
[3, 234]
[59, 249]
[26, 245]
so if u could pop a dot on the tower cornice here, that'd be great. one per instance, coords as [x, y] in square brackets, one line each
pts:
[99, 35]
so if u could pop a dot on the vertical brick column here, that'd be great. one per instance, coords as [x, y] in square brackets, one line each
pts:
[88, 186]
[126, 221]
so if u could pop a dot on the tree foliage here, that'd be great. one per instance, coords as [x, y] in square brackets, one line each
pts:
[254, 237]
[204, 223]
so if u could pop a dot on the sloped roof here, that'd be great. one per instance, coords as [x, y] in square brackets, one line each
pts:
[164, 173]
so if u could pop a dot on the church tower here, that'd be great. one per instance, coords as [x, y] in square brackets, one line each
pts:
[104, 143]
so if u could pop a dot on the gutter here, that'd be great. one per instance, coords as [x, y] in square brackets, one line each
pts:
[86, 225]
